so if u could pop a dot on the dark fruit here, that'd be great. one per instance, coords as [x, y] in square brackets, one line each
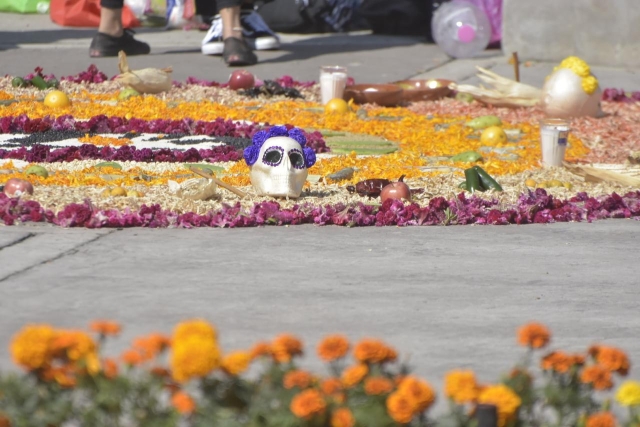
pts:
[396, 190]
[241, 79]
[17, 187]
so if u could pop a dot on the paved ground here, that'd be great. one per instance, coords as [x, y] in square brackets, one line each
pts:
[445, 296]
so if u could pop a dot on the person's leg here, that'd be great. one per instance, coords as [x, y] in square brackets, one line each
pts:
[111, 21]
[112, 37]
[236, 50]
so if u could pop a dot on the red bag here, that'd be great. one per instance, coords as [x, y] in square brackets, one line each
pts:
[85, 13]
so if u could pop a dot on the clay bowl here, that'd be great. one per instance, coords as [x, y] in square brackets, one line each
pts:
[385, 95]
[424, 90]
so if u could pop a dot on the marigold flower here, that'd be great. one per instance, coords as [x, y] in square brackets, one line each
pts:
[400, 408]
[377, 385]
[418, 391]
[354, 374]
[159, 371]
[307, 404]
[197, 327]
[261, 349]
[612, 358]
[461, 386]
[31, 347]
[4, 421]
[629, 393]
[601, 419]
[505, 399]
[331, 386]
[110, 369]
[284, 347]
[151, 345]
[194, 356]
[73, 344]
[373, 351]
[597, 376]
[105, 327]
[63, 375]
[333, 347]
[560, 362]
[300, 379]
[342, 417]
[132, 357]
[236, 363]
[534, 335]
[183, 402]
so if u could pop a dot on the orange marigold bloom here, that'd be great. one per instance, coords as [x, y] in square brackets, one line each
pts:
[377, 385]
[400, 407]
[151, 345]
[307, 404]
[261, 349]
[461, 386]
[284, 347]
[613, 359]
[236, 363]
[598, 376]
[4, 421]
[373, 351]
[75, 345]
[354, 374]
[300, 379]
[159, 371]
[418, 391]
[534, 335]
[110, 369]
[64, 375]
[342, 417]
[333, 347]
[31, 347]
[601, 419]
[331, 386]
[132, 357]
[183, 402]
[561, 362]
[505, 399]
[105, 327]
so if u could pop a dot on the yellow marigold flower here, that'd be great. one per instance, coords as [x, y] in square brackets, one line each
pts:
[597, 376]
[284, 347]
[331, 386]
[236, 363]
[31, 346]
[377, 385]
[193, 357]
[261, 349]
[577, 65]
[333, 347]
[308, 404]
[342, 417]
[110, 369]
[400, 408]
[354, 374]
[105, 327]
[183, 402]
[300, 379]
[505, 399]
[418, 391]
[534, 335]
[629, 393]
[589, 84]
[93, 364]
[611, 358]
[601, 419]
[373, 351]
[197, 327]
[461, 386]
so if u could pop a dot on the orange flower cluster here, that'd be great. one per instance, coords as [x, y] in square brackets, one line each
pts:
[561, 362]
[353, 375]
[601, 419]
[373, 351]
[378, 385]
[105, 327]
[104, 140]
[333, 347]
[412, 397]
[297, 378]
[342, 417]
[331, 386]
[183, 402]
[308, 404]
[236, 363]
[534, 335]
[261, 349]
[505, 399]
[597, 376]
[461, 386]
[611, 358]
[285, 347]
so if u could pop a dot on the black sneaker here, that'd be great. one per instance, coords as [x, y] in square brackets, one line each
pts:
[106, 45]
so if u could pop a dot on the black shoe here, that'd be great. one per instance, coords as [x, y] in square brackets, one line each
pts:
[106, 45]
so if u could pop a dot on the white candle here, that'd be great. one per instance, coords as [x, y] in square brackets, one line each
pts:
[333, 80]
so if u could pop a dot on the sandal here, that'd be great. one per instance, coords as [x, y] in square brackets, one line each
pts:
[237, 53]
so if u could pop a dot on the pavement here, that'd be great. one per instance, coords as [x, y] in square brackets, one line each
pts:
[445, 297]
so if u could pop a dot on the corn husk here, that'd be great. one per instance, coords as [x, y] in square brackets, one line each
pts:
[592, 174]
[194, 189]
[147, 80]
[500, 91]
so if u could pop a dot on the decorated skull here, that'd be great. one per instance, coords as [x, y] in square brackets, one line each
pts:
[279, 161]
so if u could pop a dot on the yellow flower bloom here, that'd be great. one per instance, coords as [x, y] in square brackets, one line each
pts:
[194, 356]
[577, 65]
[461, 386]
[505, 399]
[31, 346]
[197, 327]
[589, 84]
[629, 393]
[236, 363]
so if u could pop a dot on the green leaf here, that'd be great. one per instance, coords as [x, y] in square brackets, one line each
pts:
[114, 165]
[206, 166]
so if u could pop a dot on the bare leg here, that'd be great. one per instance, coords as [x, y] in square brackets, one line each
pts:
[111, 22]
[231, 26]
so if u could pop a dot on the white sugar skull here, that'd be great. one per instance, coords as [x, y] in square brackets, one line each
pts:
[279, 162]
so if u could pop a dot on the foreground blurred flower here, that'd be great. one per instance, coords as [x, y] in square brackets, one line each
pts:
[373, 351]
[183, 402]
[333, 347]
[601, 419]
[110, 369]
[260, 349]
[74, 345]
[193, 357]
[561, 362]
[597, 376]
[342, 417]
[196, 327]
[300, 379]
[31, 346]
[534, 335]
[132, 357]
[284, 347]
[611, 358]
[105, 327]
[400, 407]
[377, 385]
[331, 386]
[418, 391]
[151, 345]
[236, 363]
[461, 386]
[504, 399]
[629, 393]
[354, 374]
[308, 404]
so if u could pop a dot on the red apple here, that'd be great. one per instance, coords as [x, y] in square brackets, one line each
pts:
[396, 190]
[16, 187]
[241, 79]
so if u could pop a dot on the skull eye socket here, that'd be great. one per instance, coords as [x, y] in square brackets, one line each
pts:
[297, 159]
[273, 156]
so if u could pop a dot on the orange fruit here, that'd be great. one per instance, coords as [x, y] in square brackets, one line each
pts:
[493, 135]
[336, 105]
[57, 99]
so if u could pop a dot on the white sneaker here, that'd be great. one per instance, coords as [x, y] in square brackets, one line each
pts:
[254, 30]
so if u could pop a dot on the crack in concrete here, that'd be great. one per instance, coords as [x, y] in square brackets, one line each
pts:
[20, 240]
[71, 251]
